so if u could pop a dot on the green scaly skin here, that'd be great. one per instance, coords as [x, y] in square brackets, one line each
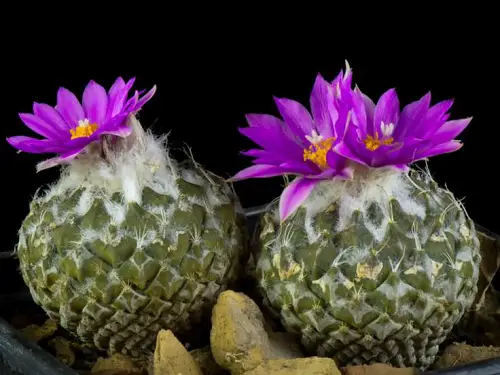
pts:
[115, 283]
[361, 299]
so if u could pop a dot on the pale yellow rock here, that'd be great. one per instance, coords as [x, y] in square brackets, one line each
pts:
[171, 357]
[297, 366]
[36, 333]
[377, 369]
[117, 364]
[238, 338]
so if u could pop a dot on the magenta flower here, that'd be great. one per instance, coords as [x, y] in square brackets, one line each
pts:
[299, 145]
[70, 127]
[382, 136]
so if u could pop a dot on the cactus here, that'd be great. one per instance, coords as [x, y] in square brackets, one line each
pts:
[365, 256]
[377, 269]
[129, 241]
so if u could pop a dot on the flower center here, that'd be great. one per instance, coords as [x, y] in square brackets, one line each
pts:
[318, 150]
[84, 129]
[373, 143]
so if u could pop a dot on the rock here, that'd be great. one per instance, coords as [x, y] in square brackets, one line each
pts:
[239, 340]
[117, 364]
[64, 353]
[377, 369]
[36, 333]
[171, 357]
[459, 354]
[297, 366]
[206, 361]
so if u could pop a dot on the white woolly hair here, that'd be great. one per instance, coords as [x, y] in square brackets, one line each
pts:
[368, 186]
[127, 166]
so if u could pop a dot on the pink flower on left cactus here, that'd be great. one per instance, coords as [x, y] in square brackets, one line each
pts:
[71, 126]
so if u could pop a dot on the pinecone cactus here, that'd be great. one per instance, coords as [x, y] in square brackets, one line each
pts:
[365, 257]
[127, 241]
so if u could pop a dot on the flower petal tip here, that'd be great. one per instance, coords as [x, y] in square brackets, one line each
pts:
[348, 68]
[278, 100]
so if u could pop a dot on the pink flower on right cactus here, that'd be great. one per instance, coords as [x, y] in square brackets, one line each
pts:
[300, 144]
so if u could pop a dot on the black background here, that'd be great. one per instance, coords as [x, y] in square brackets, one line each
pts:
[209, 76]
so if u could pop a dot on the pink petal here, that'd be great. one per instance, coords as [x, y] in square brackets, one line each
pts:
[344, 150]
[449, 130]
[64, 158]
[294, 167]
[361, 114]
[129, 84]
[115, 126]
[322, 107]
[274, 125]
[41, 127]
[131, 103]
[274, 140]
[296, 117]
[256, 120]
[343, 81]
[386, 110]
[442, 148]
[294, 195]
[265, 157]
[369, 108]
[406, 151]
[120, 131]
[147, 97]
[336, 81]
[258, 171]
[411, 117]
[434, 119]
[115, 93]
[345, 173]
[121, 96]
[95, 102]
[325, 175]
[35, 146]
[335, 160]
[69, 107]
[52, 117]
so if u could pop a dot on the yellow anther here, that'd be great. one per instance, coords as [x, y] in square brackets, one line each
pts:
[84, 129]
[317, 152]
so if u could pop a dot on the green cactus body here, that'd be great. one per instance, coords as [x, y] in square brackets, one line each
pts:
[378, 269]
[115, 252]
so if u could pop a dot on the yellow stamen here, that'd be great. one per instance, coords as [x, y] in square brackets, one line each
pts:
[317, 152]
[373, 143]
[84, 129]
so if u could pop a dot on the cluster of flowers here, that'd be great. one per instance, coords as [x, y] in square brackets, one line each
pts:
[343, 128]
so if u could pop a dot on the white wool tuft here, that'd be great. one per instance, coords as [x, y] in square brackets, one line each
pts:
[140, 160]
[368, 186]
